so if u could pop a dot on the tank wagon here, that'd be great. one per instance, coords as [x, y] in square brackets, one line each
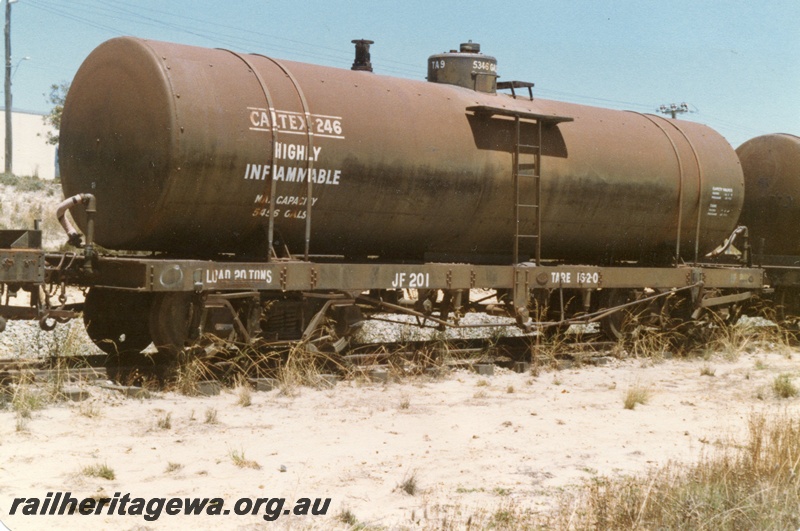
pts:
[771, 165]
[274, 195]
[207, 151]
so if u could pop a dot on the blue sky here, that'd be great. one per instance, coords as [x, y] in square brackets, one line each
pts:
[736, 63]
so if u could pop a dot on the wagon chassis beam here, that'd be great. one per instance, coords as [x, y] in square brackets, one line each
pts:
[606, 312]
[699, 303]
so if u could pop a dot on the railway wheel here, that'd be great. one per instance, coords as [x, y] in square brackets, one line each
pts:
[116, 321]
[688, 326]
[787, 308]
[620, 324]
[172, 317]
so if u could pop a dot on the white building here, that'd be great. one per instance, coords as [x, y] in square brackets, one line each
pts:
[31, 155]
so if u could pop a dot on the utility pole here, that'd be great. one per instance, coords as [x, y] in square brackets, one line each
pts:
[674, 109]
[9, 141]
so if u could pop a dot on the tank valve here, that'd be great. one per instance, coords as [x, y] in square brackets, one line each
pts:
[470, 47]
[362, 61]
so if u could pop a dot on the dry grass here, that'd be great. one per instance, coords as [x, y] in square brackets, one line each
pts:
[172, 467]
[707, 370]
[748, 486]
[711, 336]
[347, 517]
[636, 394]
[27, 399]
[244, 395]
[99, 471]
[753, 486]
[190, 372]
[305, 367]
[405, 403]
[232, 366]
[21, 423]
[545, 350]
[211, 416]
[409, 484]
[731, 341]
[90, 410]
[216, 360]
[509, 515]
[28, 395]
[164, 422]
[238, 458]
[783, 387]
[652, 344]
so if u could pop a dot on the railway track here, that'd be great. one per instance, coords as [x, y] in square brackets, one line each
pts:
[73, 368]
[516, 353]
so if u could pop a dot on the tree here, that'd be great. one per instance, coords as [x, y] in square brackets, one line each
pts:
[58, 94]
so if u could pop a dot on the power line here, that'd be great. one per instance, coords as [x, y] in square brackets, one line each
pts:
[118, 17]
[581, 98]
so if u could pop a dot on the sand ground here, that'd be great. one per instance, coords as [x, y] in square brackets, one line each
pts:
[472, 443]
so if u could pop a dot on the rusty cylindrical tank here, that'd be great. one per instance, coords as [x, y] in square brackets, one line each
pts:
[771, 166]
[181, 146]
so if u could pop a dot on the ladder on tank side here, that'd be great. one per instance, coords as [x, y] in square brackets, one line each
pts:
[527, 228]
[526, 164]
